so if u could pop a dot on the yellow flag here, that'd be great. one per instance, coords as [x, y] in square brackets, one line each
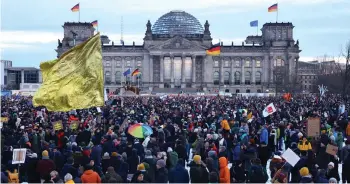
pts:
[73, 81]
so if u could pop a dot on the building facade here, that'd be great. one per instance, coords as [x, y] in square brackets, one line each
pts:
[173, 57]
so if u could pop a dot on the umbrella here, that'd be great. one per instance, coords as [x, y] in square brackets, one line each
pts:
[139, 130]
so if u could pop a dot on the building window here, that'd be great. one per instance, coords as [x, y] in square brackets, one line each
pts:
[118, 64]
[216, 78]
[108, 77]
[118, 77]
[108, 64]
[139, 64]
[247, 91]
[237, 64]
[128, 63]
[259, 91]
[237, 90]
[227, 78]
[31, 77]
[247, 77]
[237, 78]
[227, 64]
[258, 64]
[216, 63]
[248, 64]
[258, 78]
[279, 62]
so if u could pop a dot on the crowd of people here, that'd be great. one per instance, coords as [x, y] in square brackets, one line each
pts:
[195, 139]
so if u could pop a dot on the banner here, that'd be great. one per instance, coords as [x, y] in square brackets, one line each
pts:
[313, 127]
[291, 157]
[74, 125]
[57, 125]
[4, 119]
[19, 156]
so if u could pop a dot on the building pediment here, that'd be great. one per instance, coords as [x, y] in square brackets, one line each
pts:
[177, 43]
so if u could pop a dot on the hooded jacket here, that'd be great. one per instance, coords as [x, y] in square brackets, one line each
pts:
[90, 176]
[224, 171]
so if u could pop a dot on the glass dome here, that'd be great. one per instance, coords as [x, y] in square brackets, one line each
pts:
[177, 23]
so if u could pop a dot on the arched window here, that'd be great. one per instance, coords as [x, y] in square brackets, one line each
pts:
[237, 90]
[139, 64]
[279, 62]
[237, 64]
[118, 77]
[108, 77]
[258, 64]
[216, 63]
[247, 77]
[237, 78]
[227, 78]
[247, 91]
[128, 63]
[118, 64]
[227, 64]
[216, 78]
[248, 64]
[258, 78]
[108, 63]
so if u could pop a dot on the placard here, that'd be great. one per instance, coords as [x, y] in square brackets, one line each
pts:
[291, 157]
[331, 149]
[4, 119]
[57, 125]
[313, 127]
[19, 156]
[74, 125]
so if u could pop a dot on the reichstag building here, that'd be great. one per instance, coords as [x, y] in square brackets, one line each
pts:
[173, 57]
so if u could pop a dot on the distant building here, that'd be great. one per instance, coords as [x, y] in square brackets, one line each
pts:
[17, 78]
[173, 57]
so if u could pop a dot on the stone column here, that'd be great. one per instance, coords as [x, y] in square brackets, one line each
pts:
[133, 67]
[242, 71]
[113, 65]
[265, 66]
[161, 72]
[151, 70]
[253, 71]
[22, 76]
[183, 76]
[172, 71]
[231, 71]
[291, 70]
[193, 76]
[123, 70]
[271, 68]
[221, 62]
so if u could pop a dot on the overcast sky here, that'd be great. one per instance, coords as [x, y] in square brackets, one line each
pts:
[30, 28]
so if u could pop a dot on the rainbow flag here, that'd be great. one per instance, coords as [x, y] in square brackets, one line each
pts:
[136, 72]
[214, 50]
[273, 8]
[75, 8]
[94, 23]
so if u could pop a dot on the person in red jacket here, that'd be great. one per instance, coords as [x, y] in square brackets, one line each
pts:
[90, 176]
[45, 166]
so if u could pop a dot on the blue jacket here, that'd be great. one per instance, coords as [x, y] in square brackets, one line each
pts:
[264, 136]
[236, 152]
[179, 174]
[96, 154]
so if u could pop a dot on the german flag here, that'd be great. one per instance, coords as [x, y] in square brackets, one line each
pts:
[94, 23]
[136, 72]
[273, 8]
[214, 50]
[75, 8]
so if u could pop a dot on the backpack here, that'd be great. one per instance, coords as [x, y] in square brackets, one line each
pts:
[13, 177]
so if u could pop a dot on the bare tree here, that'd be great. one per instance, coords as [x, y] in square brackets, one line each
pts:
[346, 72]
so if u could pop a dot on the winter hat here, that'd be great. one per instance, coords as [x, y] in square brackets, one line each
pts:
[304, 171]
[114, 154]
[197, 159]
[333, 180]
[300, 134]
[331, 164]
[161, 163]
[148, 153]
[45, 153]
[141, 167]
[169, 149]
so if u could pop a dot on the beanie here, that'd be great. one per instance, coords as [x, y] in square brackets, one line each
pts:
[331, 164]
[161, 163]
[333, 180]
[197, 159]
[45, 153]
[141, 167]
[114, 154]
[304, 171]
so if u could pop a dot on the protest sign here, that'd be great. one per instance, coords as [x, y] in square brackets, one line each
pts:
[291, 157]
[19, 156]
[74, 125]
[332, 150]
[4, 119]
[57, 125]
[123, 125]
[313, 127]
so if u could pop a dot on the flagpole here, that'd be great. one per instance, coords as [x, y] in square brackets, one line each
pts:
[277, 13]
[79, 15]
[257, 30]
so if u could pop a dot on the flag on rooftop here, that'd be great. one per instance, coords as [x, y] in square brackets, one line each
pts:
[94, 23]
[75, 8]
[73, 81]
[214, 50]
[254, 23]
[273, 8]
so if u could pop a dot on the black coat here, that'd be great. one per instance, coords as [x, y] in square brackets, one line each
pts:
[161, 175]
[152, 167]
[179, 174]
[198, 173]
[33, 176]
